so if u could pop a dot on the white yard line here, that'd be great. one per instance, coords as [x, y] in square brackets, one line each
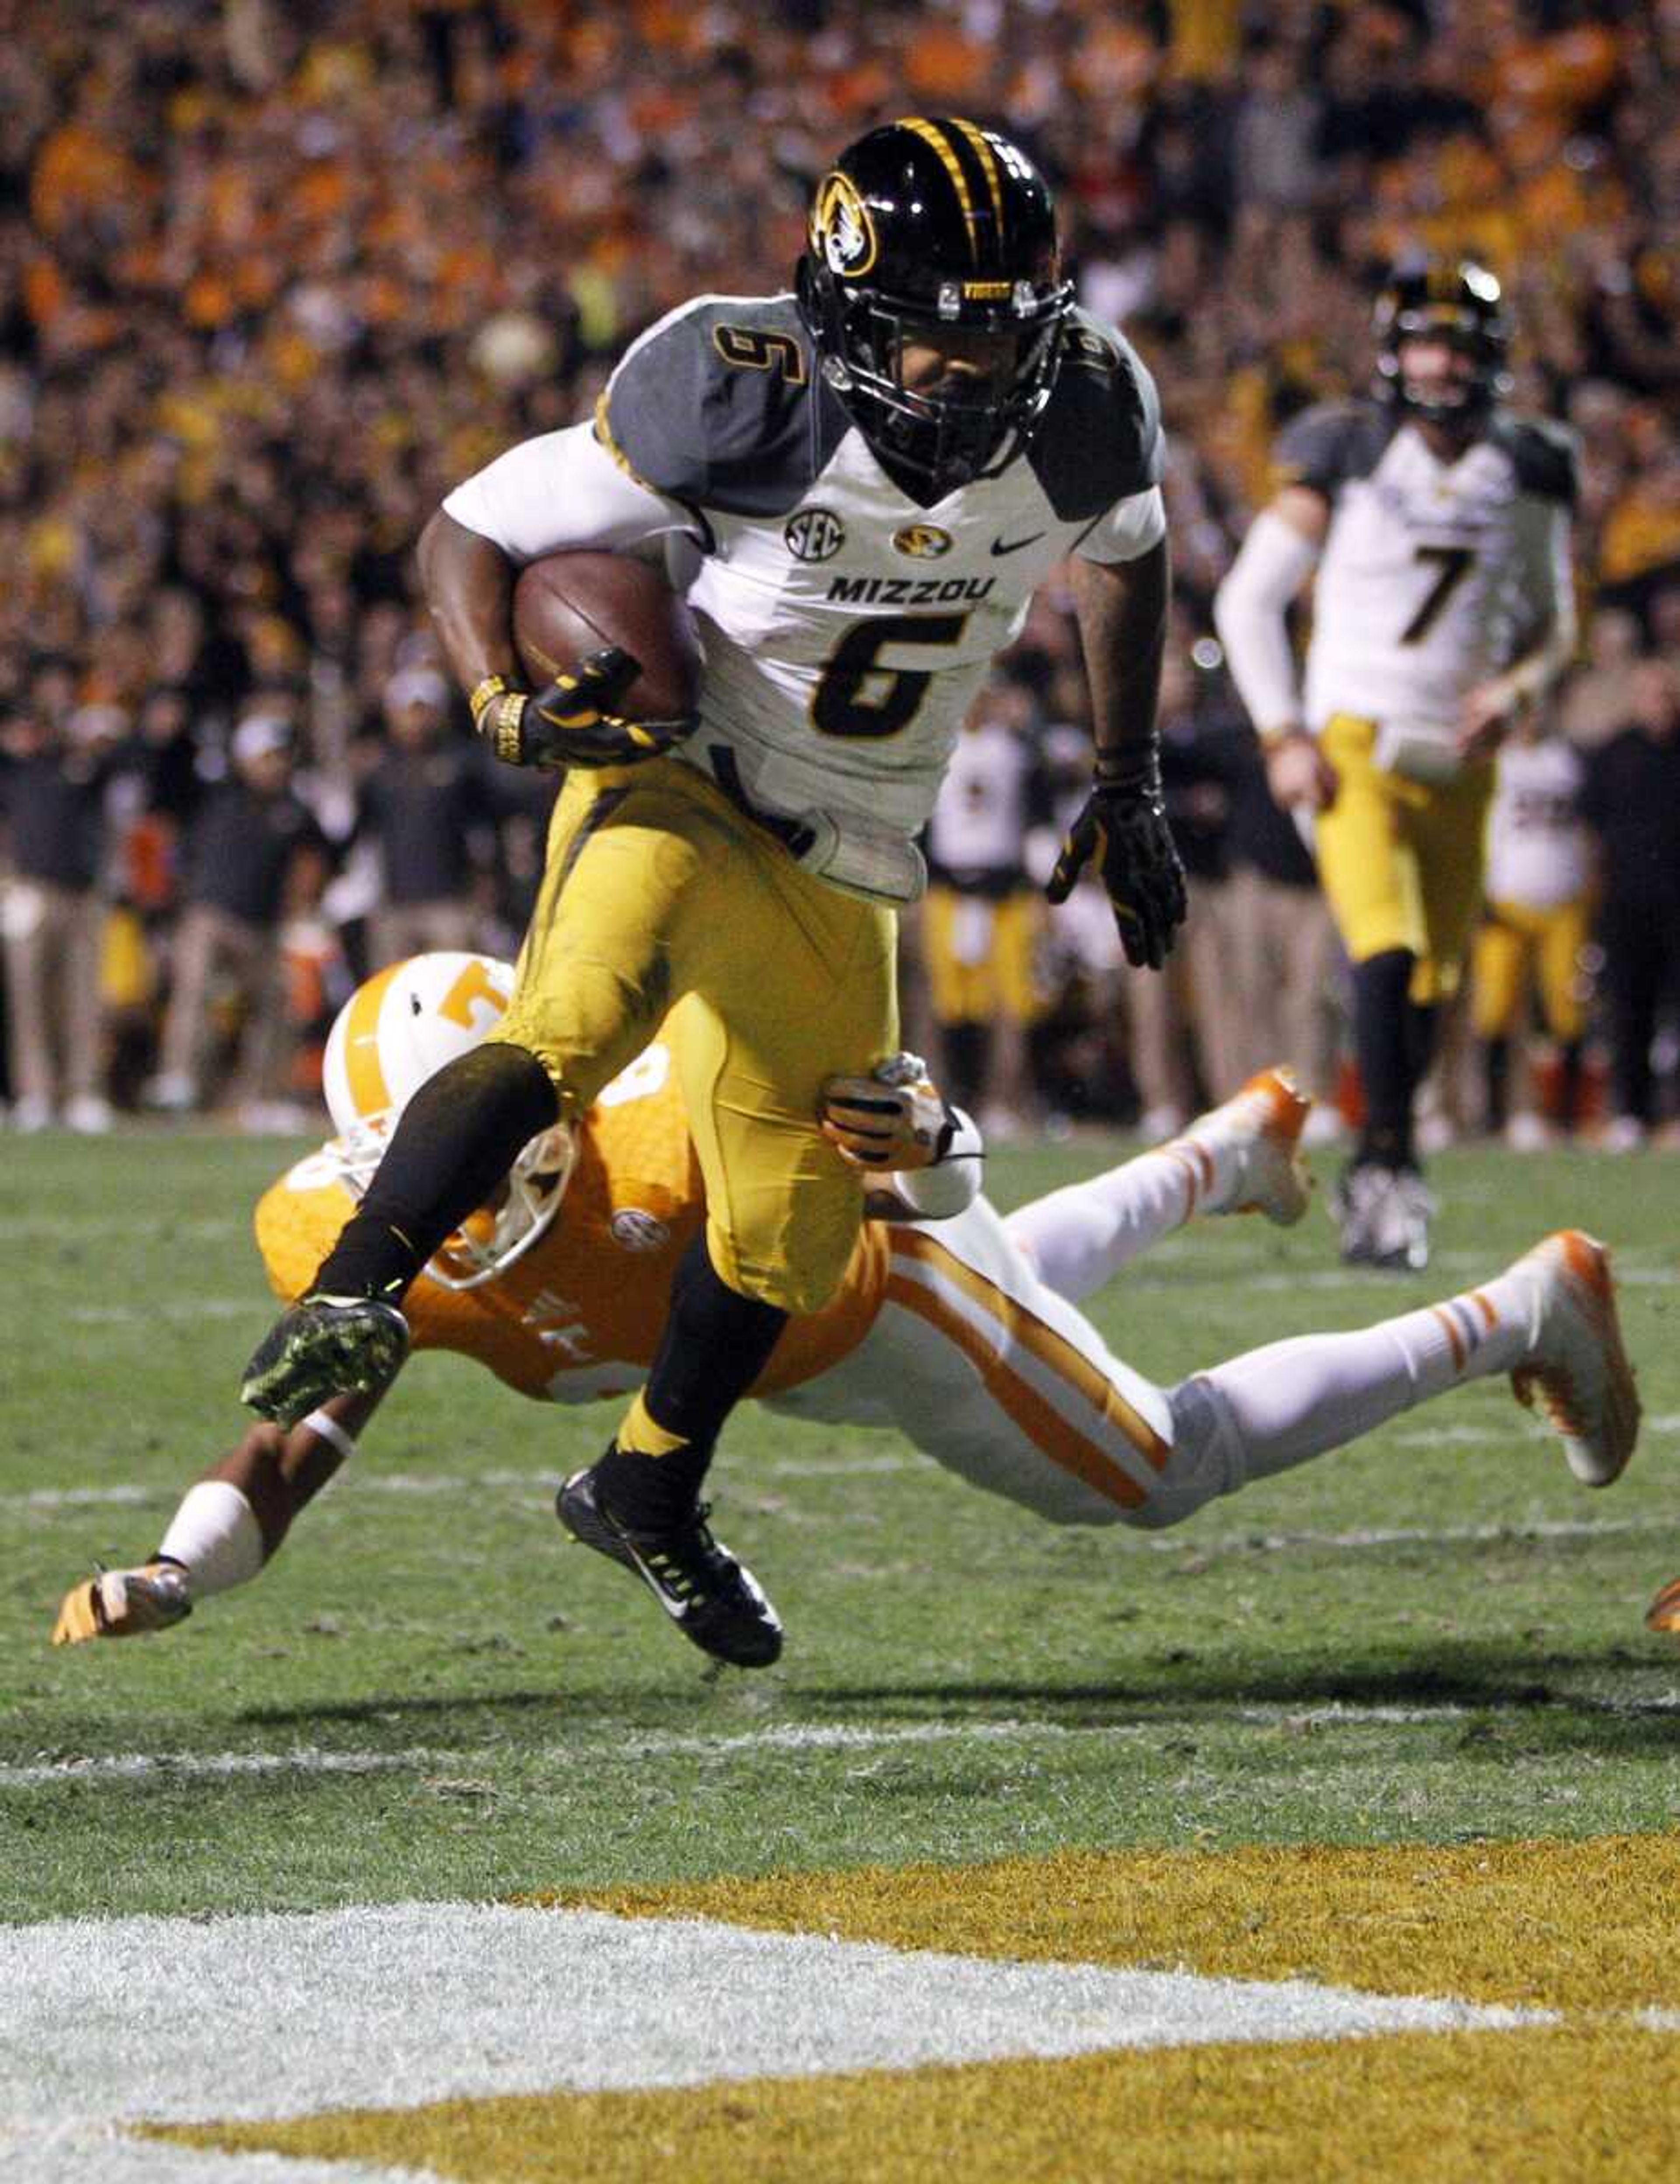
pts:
[148, 1766]
[391, 2007]
[166, 1308]
[141, 1766]
[99, 2151]
[48, 1228]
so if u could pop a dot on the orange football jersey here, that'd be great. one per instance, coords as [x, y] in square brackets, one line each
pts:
[582, 1313]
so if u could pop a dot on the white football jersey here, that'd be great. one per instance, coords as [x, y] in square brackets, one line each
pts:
[1537, 853]
[846, 628]
[990, 795]
[1434, 575]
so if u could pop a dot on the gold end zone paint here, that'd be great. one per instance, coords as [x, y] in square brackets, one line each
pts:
[1566, 2107]
[1570, 1925]
[1588, 1929]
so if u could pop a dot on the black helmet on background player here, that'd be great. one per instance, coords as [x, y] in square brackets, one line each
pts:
[924, 227]
[1452, 300]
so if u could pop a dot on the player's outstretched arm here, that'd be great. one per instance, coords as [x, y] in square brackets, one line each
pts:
[1249, 612]
[231, 1523]
[1122, 828]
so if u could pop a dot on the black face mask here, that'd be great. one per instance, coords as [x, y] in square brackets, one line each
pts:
[946, 438]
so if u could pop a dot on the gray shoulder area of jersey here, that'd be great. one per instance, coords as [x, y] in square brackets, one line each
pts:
[1100, 439]
[719, 405]
[1331, 443]
[1544, 454]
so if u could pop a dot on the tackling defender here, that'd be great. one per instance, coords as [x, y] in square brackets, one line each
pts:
[1439, 525]
[956, 1326]
[861, 485]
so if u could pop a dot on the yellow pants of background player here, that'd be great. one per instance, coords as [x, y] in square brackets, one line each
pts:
[983, 957]
[659, 899]
[1516, 942]
[1400, 860]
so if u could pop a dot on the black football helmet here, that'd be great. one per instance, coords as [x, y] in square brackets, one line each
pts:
[925, 227]
[1443, 299]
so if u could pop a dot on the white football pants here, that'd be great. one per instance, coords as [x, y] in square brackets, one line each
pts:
[980, 1357]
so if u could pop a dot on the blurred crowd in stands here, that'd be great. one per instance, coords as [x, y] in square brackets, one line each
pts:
[274, 274]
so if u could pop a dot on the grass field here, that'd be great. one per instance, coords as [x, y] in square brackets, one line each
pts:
[1432, 1639]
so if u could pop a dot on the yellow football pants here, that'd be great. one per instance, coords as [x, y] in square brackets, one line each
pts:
[1516, 944]
[983, 957]
[660, 900]
[1400, 862]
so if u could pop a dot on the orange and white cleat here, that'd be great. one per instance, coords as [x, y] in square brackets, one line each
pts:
[1664, 1612]
[1260, 1126]
[1578, 1371]
[123, 1604]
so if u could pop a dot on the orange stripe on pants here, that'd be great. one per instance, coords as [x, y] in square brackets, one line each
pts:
[1062, 1442]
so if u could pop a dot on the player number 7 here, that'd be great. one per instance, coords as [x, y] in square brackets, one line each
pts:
[1454, 563]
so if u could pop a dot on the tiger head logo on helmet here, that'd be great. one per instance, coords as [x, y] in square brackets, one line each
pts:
[925, 230]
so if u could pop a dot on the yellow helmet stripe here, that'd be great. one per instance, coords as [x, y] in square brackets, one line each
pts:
[368, 1091]
[931, 135]
[988, 160]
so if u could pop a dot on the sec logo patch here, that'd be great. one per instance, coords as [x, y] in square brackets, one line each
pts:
[815, 534]
[923, 542]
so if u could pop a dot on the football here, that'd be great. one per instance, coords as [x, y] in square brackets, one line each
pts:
[568, 606]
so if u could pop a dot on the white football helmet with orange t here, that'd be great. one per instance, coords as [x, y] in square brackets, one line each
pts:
[394, 1032]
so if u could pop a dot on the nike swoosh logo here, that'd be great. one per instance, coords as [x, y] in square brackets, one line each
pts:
[676, 1609]
[1014, 545]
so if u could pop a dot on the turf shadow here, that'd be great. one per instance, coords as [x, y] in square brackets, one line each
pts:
[642, 1704]
[1486, 1679]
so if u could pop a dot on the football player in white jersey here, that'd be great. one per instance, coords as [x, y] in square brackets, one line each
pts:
[868, 477]
[1439, 525]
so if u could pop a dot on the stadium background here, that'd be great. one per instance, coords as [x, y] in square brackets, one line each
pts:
[273, 277]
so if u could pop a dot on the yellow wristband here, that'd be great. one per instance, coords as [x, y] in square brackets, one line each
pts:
[502, 726]
[491, 686]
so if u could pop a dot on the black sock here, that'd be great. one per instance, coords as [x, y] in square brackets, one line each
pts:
[455, 1140]
[715, 1345]
[1386, 1033]
[1422, 1034]
[1496, 1068]
[1569, 1084]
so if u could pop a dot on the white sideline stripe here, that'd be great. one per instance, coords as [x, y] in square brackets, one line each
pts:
[95, 2151]
[1340, 1278]
[390, 2007]
[141, 1766]
[782, 1736]
[539, 1486]
[43, 1229]
[1561, 1528]
[172, 1308]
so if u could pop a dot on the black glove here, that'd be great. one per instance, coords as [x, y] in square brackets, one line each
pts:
[1123, 825]
[572, 722]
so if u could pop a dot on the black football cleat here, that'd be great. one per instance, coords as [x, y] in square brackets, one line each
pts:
[717, 1604]
[324, 1346]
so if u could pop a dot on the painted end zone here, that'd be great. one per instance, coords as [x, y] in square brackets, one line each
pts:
[1243, 2017]
[1550, 1925]
[1570, 2107]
